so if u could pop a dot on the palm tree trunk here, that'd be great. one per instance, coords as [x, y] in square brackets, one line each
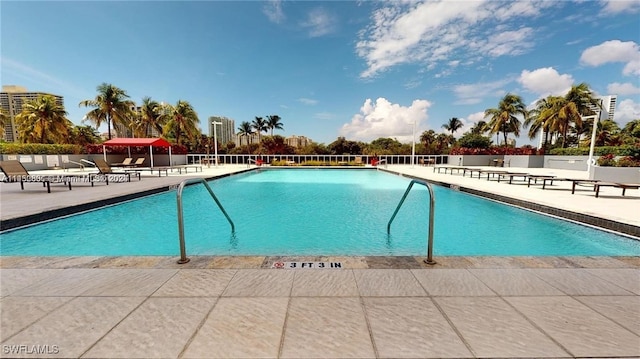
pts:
[109, 124]
[42, 133]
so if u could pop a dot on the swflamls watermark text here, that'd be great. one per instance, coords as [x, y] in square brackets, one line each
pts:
[30, 349]
[76, 179]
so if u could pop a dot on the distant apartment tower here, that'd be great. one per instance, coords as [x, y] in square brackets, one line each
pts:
[297, 141]
[226, 132]
[608, 107]
[608, 104]
[121, 130]
[125, 131]
[11, 100]
[243, 140]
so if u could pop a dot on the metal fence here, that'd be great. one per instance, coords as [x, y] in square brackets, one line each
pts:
[300, 159]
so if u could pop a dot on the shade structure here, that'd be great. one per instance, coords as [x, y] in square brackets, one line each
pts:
[138, 142]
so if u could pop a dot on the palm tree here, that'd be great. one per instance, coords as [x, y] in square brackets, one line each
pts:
[608, 133]
[578, 102]
[151, 115]
[111, 105]
[427, 138]
[84, 135]
[181, 121]
[43, 120]
[541, 117]
[443, 141]
[632, 129]
[245, 129]
[479, 128]
[260, 125]
[582, 96]
[138, 128]
[504, 118]
[453, 125]
[273, 122]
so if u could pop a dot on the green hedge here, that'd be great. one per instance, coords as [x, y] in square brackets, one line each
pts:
[11, 148]
[598, 151]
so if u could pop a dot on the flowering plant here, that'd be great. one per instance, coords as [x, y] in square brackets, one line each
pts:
[525, 150]
[608, 160]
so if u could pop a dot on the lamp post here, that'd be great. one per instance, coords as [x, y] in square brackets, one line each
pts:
[596, 120]
[215, 140]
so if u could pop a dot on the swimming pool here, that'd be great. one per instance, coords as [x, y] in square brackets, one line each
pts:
[313, 212]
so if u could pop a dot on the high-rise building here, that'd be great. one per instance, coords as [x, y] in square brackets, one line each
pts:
[243, 140]
[606, 110]
[125, 131]
[11, 99]
[297, 141]
[608, 107]
[122, 130]
[225, 132]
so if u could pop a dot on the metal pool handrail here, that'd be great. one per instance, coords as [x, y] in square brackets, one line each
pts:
[183, 253]
[432, 203]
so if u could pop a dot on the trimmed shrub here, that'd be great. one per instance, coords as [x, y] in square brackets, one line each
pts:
[632, 151]
[524, 150]
[628, 161]
[39, 149]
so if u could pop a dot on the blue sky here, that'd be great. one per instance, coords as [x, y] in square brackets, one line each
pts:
[361, 70]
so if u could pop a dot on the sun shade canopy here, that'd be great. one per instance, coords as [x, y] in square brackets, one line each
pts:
[138, 142]
[155, 142]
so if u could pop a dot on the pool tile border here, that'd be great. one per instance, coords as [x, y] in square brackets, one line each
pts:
[357, 262]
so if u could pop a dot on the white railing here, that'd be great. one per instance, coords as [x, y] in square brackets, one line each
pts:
[366, 159]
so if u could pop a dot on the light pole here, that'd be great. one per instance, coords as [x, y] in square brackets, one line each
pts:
[215, 140]
[596, 120]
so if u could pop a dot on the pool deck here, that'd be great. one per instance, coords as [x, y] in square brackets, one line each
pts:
[400, 307]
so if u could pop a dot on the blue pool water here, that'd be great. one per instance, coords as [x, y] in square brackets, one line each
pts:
[313, 212]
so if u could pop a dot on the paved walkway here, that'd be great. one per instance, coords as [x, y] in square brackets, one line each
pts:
[388, 307]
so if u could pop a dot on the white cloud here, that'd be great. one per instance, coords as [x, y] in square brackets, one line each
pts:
[623, 89]
[614, 51]
[508, 43]
[627, 111]
[545, 81]
[469, 94]
[618, 6]
[475, 117]
[307, 101]
[319, 22]
[273, 10]
[432, 32]
[413, 83]
[385, 119]
[467, 123]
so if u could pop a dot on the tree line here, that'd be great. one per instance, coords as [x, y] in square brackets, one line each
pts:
[560, 118]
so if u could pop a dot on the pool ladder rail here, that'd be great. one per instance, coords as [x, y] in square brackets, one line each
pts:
[183, 252]
[183, 255]
[432, 204]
